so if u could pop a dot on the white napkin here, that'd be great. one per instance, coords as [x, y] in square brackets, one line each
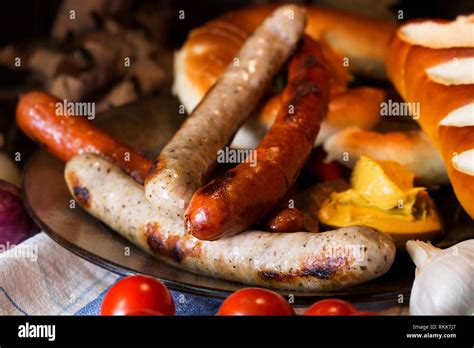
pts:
[39, 277]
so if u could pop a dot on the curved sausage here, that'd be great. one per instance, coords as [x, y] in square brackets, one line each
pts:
[356, 107]
[233, 202]
[67, 136]
[284, 216]
[299, 261]
[187, 160]
[284, 220]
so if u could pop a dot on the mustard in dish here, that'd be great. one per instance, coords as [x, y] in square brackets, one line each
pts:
[382, 196]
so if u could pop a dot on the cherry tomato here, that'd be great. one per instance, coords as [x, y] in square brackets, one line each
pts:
[255, 301]
[331, 307]
[137, 294]
[145, 313]
[365, 313]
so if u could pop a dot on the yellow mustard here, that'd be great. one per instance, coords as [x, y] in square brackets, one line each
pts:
[382, 196]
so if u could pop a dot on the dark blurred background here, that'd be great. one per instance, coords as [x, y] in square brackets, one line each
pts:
[81, 63]
[25, 20]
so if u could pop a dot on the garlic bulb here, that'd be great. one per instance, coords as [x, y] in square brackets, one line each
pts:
[444, 281]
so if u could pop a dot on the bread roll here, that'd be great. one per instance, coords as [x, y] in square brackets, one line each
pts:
[356, 107]
[434, 67]
[412, 149]
[211, 47]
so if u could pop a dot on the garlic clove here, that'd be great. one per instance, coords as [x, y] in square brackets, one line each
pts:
[420, 252]
[444, 282]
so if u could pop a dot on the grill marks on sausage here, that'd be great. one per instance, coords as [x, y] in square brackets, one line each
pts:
[217, 186]
[320, 273]
[162, 245]
[166, 244]
[302, 84]
[308, 61]
[304, 88]
[317, 272]
[321, 267]
[155, 169]
[81, 193]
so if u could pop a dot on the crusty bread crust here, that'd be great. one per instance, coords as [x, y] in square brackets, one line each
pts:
[406, 66]
[412, 149]
[211, 47]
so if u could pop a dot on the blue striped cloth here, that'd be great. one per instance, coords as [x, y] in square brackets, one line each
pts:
[39, 277]
[191, 305]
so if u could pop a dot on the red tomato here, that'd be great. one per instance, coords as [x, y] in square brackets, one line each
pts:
[145, 313]
[137, 294]
[331, 307]
[365, 313]
[255, 301]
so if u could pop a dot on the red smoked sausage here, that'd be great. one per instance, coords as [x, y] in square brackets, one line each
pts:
[68, 136]
[233, 202]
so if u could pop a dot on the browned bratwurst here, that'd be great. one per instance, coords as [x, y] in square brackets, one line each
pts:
[67, 136]
[231, 203]
[292, 261]
[284, 220]
[188, 159]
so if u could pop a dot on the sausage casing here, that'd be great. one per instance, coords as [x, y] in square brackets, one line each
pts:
[233, 202]
[67, 136]
[188, 159]
[299, 261]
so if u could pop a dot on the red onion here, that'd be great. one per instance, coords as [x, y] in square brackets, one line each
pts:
[15, 223]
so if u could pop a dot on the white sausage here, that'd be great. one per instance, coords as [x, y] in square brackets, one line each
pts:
[300, 261]
[190, 156]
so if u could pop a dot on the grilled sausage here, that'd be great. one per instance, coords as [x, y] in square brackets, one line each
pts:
[67, 136]
[233, 202]
[187, 160]
[299, 261]
[356, 107]
[284, 220]
[285, 217]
